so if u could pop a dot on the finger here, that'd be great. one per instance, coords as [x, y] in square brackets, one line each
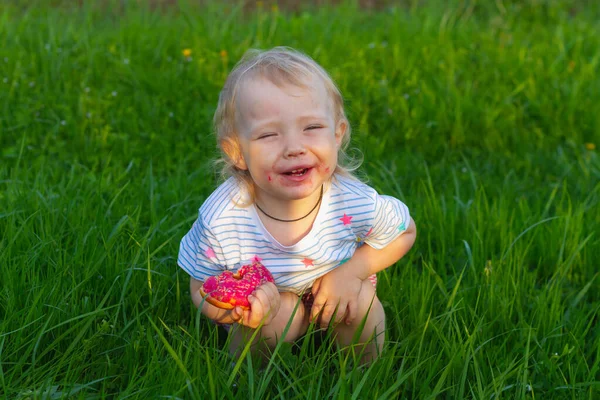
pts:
[255, 304]
[258, 308]
[327, 315]
[246, 319]
[272, 287]
[267, 293]
[319, 301]
[316, 310]
[315, 287]
[274, 300]
[271, 291]
[351, 312]
[249, 315]
[263, 298]
[340, 312]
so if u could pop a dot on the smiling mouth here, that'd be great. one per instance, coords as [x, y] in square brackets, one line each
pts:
[297, 172]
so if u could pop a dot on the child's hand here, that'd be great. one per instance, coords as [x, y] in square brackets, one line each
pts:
[264, 306]
[336, 289]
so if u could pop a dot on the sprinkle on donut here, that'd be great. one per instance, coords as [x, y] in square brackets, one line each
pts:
[229, 289]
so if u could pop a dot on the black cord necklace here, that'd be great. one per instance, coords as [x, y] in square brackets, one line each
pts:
[297, 219]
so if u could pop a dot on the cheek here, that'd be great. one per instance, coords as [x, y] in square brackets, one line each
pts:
[324, 169]
[333, 160]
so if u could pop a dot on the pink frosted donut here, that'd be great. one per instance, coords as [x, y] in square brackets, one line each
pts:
[229, 290]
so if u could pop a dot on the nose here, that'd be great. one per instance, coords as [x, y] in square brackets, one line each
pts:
[294, 148]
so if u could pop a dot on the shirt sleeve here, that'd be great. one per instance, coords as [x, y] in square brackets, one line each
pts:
[391, 218]
[200, 253]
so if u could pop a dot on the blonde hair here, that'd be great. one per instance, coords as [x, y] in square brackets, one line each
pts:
[281, 65]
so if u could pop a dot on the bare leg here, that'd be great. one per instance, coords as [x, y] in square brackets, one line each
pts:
[271, 334]
[372, 337]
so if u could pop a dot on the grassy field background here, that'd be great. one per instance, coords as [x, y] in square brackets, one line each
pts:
[483, 117]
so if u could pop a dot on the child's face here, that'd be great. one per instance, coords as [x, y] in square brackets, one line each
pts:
[288, 136]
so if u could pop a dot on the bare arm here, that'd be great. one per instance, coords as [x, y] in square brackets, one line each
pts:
[367, 261]
[341, 286]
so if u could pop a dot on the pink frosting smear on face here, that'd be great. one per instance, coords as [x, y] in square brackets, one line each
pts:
[235, 288]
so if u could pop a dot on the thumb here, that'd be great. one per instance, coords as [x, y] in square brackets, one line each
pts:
[246, 318]
[236, 313]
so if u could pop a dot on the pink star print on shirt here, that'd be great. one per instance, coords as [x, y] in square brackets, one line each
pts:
[256, 259]
[209, 253]
[346, 219]
[308, 262]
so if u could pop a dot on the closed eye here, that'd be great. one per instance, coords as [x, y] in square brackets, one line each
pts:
[265, 135]
[312, 127]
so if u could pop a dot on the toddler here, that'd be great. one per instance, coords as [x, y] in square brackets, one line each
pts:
[291, 202]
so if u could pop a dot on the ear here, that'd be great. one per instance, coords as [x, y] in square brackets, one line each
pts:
[340, 131]
[231, 148]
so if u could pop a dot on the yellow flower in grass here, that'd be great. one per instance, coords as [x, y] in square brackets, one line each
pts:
[571, 66]
[274, 8]
[488, 268]
[223, 53]
[186, 52]
[590, 146]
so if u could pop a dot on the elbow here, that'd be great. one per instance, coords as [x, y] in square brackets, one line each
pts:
[411, 232]
[195, 286]
[412, 228]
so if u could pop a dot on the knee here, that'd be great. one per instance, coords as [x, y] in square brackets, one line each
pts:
[369, 311]
[289, 301]
[290, 308]
[292, 312]
[368, 302]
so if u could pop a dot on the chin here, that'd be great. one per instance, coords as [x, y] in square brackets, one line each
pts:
[297, 195]
[298, 192]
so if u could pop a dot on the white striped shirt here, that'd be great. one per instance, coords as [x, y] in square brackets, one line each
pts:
[226, 236]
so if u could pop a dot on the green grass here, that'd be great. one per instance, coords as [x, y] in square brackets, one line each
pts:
[476, 115]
